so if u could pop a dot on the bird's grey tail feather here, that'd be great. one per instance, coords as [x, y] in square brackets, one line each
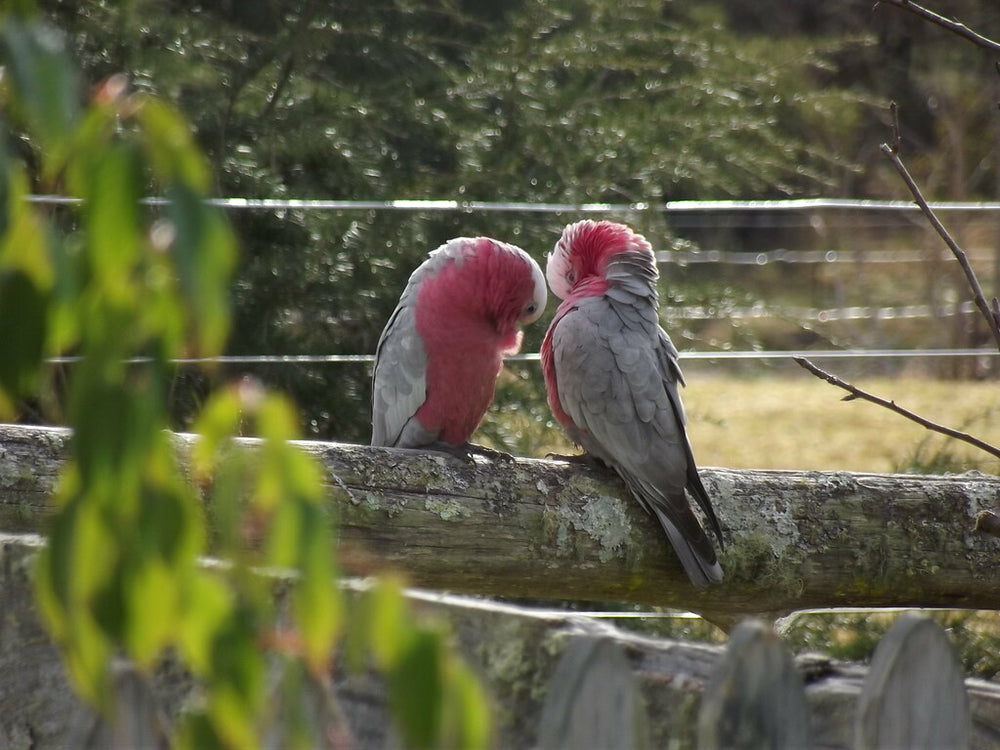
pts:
[697, 489]
[700, 570]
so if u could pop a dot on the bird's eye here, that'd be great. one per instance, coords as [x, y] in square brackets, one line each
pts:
[530, 309]
[571, 277]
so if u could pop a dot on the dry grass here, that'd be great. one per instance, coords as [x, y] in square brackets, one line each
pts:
[802, 423]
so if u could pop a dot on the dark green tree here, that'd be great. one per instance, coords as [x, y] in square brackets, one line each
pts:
[564, 101]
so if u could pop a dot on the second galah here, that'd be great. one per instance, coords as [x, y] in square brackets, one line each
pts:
[441, 351]
[612, 376]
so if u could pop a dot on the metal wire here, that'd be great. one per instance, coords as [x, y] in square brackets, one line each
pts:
[815, 257]
[685, 213]
[797, 204]
[326, 359]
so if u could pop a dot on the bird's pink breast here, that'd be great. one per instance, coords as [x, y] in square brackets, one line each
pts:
[464, 351]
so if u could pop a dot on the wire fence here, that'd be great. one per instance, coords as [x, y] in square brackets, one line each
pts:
[762, 354]
[672, 207]
[688, 214]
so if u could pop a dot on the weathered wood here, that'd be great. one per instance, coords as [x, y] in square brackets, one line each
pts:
[914, 694]
[544, 529]
[755, 699]
[592, 700]
[515, 650]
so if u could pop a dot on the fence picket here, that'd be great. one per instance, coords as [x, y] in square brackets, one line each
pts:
[755, 697]
[914, 695]
[592, 701]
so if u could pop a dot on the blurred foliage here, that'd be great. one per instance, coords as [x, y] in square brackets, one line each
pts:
[120, 575]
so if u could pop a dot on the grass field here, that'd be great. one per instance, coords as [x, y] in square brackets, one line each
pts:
[802, 423]
[796, 421]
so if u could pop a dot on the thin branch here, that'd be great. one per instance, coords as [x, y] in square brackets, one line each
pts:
[896, 132]
[891, 405]
[946, 23]
[992, 318]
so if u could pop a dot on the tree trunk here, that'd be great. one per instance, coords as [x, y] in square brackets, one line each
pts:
[550, 530]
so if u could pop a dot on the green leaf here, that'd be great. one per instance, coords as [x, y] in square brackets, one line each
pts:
[76, 565]
[169, 146]
[318, 604]
[236, 696]
[209, 604]
[389, 629]
[217, 423]
[44, 81]
[196, 732]
[468, 718]
[111, 212]
[152, 596]
[416, 690]
[204, 253]
[23, 328]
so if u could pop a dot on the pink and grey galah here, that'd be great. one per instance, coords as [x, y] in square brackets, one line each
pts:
[441, 351]
[612, 378]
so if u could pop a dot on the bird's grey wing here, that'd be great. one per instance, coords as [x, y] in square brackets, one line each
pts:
[672, 377]
[611, 381]
[399, 380]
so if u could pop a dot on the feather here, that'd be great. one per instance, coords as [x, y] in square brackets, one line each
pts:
[612, 377]
[439, 355]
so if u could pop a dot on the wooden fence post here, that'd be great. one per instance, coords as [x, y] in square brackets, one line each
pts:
[914, 695]
[592, 700]
[755, 697]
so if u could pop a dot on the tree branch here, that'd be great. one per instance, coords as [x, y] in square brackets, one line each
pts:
[892, 406]
[951, 25]
[991, 315]
[550, 530]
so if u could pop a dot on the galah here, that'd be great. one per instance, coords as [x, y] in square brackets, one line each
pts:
[611, 374]
[441, 351]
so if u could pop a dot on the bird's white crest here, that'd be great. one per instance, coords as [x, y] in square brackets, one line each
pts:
[541, 294]
[559, 267]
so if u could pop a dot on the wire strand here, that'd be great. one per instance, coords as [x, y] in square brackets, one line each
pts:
[681, 206]
[325, 359]
[687, 214]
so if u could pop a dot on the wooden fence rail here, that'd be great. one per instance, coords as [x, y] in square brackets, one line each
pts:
[544, 529]
[548, 530]
[557, 679]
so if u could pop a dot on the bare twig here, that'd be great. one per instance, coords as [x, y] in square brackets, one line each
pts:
[992, 318]
[896, 137]
[946, 23]
[856, 392]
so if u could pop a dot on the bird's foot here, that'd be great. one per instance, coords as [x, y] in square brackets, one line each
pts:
[580, 459]
[467, 451]
[491, 453]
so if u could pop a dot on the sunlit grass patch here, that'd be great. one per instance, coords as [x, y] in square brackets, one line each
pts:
[802, 423]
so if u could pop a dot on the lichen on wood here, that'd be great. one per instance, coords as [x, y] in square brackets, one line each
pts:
[554, 530]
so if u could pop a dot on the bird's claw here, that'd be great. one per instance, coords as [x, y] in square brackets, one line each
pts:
[467, 451]
[581, 459]
[491, 453]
